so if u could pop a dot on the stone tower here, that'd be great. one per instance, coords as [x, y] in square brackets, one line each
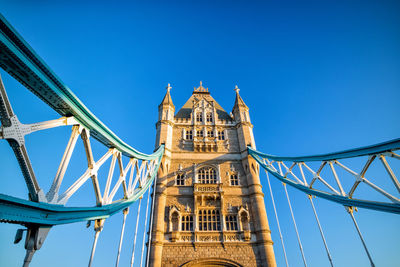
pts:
[209, 207]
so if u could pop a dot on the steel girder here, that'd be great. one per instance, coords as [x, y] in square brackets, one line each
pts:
[20, 60]
[273, 164]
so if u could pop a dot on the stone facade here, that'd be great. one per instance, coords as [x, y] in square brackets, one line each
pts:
[209, 207]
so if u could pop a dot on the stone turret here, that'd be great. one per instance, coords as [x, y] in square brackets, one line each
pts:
[164, 127]
[241, 115]
[165, 122]
[246, 138]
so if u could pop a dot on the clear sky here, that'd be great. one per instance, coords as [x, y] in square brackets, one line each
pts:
[318, 76]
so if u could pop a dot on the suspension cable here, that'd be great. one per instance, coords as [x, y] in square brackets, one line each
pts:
[350, 211]
[151, 221]
[277, 220]
[320, 230]
[136, 228]
[125, 212]
[295, 226]
[98, 227]
[145, 227]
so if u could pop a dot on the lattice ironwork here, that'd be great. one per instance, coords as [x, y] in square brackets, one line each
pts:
[319, 175]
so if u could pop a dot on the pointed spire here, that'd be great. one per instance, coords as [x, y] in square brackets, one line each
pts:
[238, 101]
[167, 98]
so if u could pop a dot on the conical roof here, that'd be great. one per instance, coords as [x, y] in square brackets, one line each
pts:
[167, 100]
[239, 101]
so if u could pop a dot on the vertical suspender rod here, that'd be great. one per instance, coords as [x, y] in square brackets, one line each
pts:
[350, 211]
[320, 230]
[125, 212]
[145, 227]
[136, 229]
[277, 220]
[98, 227]
[295, 226]
[151, 221]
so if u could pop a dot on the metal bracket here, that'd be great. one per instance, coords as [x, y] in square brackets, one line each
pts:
[35, 237]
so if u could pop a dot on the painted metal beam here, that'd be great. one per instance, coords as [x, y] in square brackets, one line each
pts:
[341, 198]
[350, 153]
[20, 61]
[21, 211]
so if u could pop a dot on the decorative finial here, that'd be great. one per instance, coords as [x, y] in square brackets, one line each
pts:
[200, 88]
[168, 87]
[237, 89]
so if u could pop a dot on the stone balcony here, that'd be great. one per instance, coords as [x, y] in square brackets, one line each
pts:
[207, 188]
[212, 236]
[205, 144]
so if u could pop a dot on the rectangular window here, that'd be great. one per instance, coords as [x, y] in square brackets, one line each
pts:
[187, 223]
[189, 135]
[209, 220]
[210, 133]
[221, 135]
[209, 117]
[234, 179]
[199, 117]
[231, 223]
[180, 179]
[200, 133]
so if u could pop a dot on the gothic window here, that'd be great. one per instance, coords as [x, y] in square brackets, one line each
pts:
[200, 133]
[180, 179]
[231, 223]
[210, 133]
[234, 179]
[209, 117]
[199, 117]
[209, 220]
[207, 175]
[189, 135]
[187, 223]
[244, 218]
[221, 135]
[175, 221]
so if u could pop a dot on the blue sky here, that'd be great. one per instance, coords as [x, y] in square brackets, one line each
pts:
[318, 76]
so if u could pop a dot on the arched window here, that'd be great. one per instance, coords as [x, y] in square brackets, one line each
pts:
[209, 220]
[187, 223]
[199, 117]
[180, 179]
[210, 133]
[244, 218]
[209, 117]
[207, 175]
[175, 221]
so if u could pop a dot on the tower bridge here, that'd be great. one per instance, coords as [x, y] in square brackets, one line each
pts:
[207, 203]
